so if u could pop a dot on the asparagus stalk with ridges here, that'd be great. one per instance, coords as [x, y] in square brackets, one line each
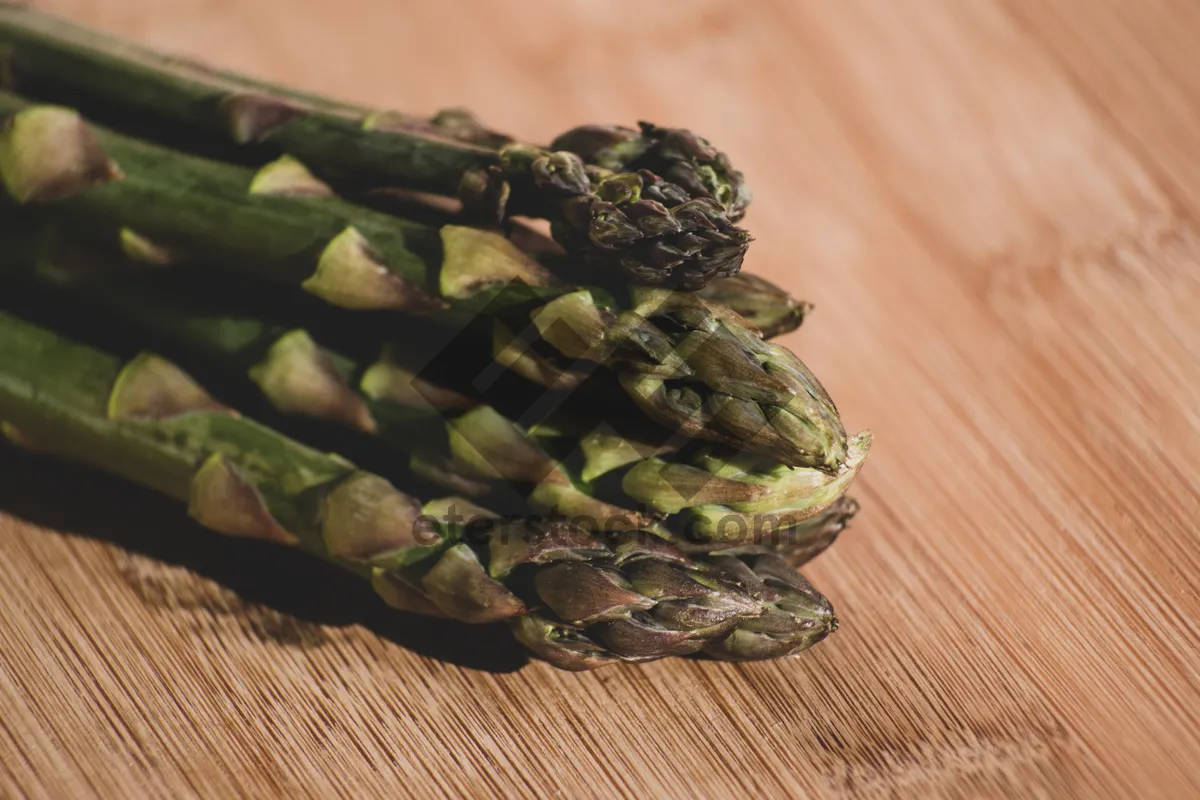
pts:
[690, 364]
[654, 230]
[638, 599]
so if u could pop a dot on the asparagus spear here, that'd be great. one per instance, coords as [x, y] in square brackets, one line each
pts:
[691, 365]
[449, 437]
[675, 153]
[635, 600]
[637, 222]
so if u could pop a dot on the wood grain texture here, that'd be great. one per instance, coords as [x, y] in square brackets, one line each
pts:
[994, 206]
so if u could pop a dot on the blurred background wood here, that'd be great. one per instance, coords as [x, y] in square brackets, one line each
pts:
[993, 205]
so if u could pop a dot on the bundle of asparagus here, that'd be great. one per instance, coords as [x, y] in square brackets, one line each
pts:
[667, 464]
[575, 600]
[687, 362]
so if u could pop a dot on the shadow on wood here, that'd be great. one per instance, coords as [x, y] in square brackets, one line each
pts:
[283, 595]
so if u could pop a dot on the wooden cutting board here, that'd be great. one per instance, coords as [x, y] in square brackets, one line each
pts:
[993, 205]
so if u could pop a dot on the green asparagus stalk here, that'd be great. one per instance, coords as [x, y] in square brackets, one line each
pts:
[653, 230]
[691, 365]
[636, 599]
[448, 437]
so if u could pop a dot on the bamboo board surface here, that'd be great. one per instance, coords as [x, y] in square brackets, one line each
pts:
[994, 206]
